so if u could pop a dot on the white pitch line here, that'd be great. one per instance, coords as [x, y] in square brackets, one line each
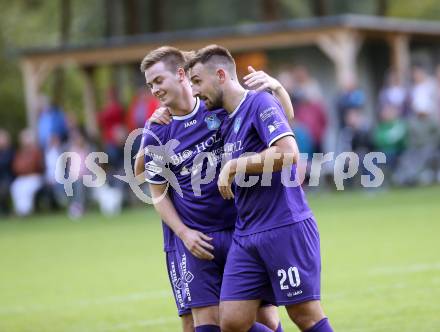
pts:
[415, 268]
[140, 323]
[25, 309]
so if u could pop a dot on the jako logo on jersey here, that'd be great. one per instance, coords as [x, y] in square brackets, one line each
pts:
[190, 123]
[212, 122]
[237, 124]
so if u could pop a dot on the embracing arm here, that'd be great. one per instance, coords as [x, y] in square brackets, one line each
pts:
[139, 164]
[260, 81]
[284, 152]
[284, 98]
[195, 241]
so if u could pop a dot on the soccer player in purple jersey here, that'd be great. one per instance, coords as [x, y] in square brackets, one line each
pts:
[203, 223]
[172, 264]
[276, 247]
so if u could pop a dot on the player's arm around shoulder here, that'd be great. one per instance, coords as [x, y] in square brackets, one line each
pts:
[139, 165]
[261, 81]
[161, 116]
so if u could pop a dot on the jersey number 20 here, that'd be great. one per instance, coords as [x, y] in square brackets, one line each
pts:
[293, 276]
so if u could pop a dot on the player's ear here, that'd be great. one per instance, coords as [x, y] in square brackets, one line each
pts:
[181, 74]
[221, 74]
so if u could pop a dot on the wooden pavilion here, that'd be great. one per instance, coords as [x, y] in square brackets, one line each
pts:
[338, 37]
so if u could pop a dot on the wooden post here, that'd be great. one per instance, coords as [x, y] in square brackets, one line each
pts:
[400, 56]
[34, 75]
[342, 48]
[89, 97]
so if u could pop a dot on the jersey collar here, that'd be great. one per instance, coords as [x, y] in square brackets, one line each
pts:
[239, 104]
[189, 115]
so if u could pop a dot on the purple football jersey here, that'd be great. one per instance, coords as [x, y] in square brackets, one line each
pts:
[256, 123]
[186, 154]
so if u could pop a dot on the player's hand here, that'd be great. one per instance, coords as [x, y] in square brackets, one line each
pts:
[197, 243]
[225, 180]
[259, 80]
[161, 116]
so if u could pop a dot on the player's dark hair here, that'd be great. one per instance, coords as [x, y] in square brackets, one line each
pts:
[211, 53]
[172, 57]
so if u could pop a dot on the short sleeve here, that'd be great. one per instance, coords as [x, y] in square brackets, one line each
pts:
[269, 119]
[152, 142]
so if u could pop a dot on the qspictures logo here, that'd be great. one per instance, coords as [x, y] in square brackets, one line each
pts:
[172, 163]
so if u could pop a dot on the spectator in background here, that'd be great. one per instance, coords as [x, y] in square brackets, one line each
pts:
[6, 174]
[351, 97]
[313, 116]
[52, 121]
[355, 137]
[437, 78]
[393, 94]
[53, 190]
[28, 168]
[306, 87]
[142, 106]
[79, 145]
[423, 93]
[304, 139]
[305, 144]
[116, 158]
[286, 78]
[417, 164]
[309, 106]
[390, 134]
[111, 116]
[111, 196]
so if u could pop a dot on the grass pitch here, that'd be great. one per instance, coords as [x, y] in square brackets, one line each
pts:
[381, 268]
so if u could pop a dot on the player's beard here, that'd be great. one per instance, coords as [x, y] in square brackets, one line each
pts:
[216, 101]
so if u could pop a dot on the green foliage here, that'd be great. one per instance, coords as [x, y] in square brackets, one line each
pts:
[12, 112]
[422, 9]
[36, 23]
[27, 23]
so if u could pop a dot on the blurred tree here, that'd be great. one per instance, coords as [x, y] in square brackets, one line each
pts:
[423, 9]
[382, 7]
[132, 15]
[156, 15]
[298, 9]
[64, 23]
[12, 114]
[337, 7]
[113, 26]
[270, 10]
[110, 17]
[320, 7]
